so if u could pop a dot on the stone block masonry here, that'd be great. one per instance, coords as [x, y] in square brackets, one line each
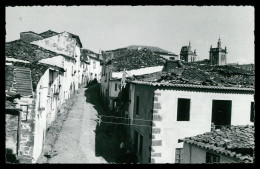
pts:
[156, 131]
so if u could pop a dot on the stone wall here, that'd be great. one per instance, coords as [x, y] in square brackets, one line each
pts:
[11, 132]
[27, 132]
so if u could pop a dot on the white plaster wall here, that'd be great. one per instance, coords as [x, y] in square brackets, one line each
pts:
[40, 116]
[112, 92]
[55, 61]
[196, 155]
[131, 105]
[97, 70]
[62, 43]
[68, 79]
[200, 117]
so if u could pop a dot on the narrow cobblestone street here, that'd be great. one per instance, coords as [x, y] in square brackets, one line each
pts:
[77, 141]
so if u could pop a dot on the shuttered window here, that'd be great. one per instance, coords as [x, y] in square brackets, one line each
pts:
[178, 155]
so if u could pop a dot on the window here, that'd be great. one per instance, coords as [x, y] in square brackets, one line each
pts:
[65, 72]
[212, 158]
[115, 86]
[178, 155]
[72, 70]
[183, 112]
[137, 106]
[140, 151]
[138, 143]
[252, 115]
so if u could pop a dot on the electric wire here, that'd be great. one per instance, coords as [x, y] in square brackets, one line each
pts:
[123, 118]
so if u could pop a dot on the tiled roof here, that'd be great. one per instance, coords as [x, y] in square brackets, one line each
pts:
[19, 49]
[86, 53]
[19, 79]
[138, 58]
[37, 70]
[234, 141]
[193, 75]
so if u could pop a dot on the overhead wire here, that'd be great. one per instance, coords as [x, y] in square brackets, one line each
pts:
[123, 118]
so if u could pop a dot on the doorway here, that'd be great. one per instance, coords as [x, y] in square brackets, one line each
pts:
[221, 112]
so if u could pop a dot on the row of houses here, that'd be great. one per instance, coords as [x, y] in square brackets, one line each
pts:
[163, 101]
[43, 72]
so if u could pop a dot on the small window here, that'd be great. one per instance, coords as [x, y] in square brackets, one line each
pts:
[137, 106]
[115, 86]
[183, 112]
[252, 115]
[212, 158]
[140, 152]
[94, 64]
[178, 155]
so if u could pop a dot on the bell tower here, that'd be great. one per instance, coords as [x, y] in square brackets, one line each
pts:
[218, 56]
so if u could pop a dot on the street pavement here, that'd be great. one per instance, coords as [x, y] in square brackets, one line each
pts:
[78, 141]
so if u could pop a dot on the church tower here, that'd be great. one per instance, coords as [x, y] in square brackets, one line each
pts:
[187, 54]
[218, 56]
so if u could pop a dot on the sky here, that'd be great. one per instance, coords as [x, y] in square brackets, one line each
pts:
[167, 27]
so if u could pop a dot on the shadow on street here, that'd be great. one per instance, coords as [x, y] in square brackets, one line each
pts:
[106, 140]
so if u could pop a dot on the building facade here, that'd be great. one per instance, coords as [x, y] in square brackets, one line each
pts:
[166, 106]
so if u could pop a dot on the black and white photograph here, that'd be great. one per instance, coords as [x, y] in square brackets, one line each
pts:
[129, 84]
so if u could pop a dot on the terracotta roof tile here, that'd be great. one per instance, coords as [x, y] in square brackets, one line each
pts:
[138, 58]
[228, 144]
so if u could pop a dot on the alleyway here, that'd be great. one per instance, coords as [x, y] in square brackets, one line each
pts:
[78, 141]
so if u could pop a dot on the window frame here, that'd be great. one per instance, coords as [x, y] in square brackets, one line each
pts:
[252, 112]
[216, 158]
[179, 117]
[137, 113]
[115, 86]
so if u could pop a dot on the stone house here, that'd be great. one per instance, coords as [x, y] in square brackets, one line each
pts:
[94, 67]
[234, 144]
[117, 61]
[183, 102]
